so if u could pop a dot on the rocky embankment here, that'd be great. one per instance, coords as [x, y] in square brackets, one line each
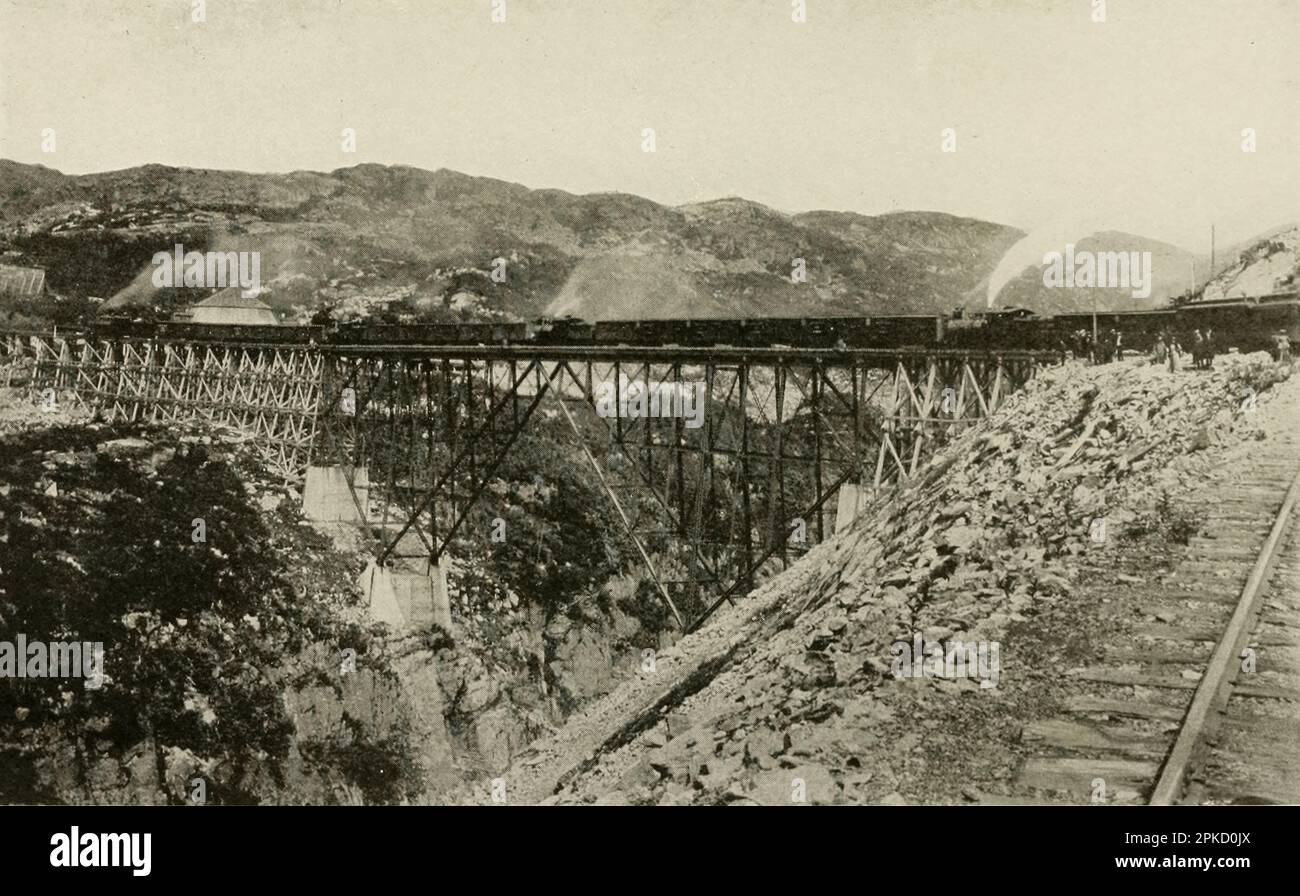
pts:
[809, 693]
[237, 665]
[240, 662]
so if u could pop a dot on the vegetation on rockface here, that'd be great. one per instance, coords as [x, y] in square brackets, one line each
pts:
[1168, 520]
[98, 262]
[559, 542]
[101, 543]
[47, 310]
[196, 634]
[559, 538]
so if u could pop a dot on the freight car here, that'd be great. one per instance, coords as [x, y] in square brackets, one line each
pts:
[1137, 329]
[459, 333]
[797, 332]
[184, 331]
[239, 334]
[694, 333]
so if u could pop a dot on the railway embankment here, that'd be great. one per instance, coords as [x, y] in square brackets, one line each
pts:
[1199, 649]
[929, 652]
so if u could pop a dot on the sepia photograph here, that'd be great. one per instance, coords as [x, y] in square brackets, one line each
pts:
[649, 403]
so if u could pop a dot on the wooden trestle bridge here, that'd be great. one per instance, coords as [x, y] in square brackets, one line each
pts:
[748, 478]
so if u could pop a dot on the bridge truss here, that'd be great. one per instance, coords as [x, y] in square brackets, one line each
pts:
[719, 464]
[736, 479]
[266, 395]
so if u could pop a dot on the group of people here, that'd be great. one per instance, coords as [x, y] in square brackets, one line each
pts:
[1203, 349]
[1106, 347]
[1167, 349]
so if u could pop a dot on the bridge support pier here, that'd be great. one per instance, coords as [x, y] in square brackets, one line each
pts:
[441, 596]
[851, 499]
[405, 600]
[326, 496]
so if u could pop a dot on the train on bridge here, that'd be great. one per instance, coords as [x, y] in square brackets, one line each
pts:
[1248, 324]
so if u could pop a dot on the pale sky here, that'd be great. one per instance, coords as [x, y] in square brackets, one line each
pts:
[1132, 124]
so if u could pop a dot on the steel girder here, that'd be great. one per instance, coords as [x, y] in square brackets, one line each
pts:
[735, 485]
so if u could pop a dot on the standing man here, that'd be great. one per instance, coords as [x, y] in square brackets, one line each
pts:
[1160, 352]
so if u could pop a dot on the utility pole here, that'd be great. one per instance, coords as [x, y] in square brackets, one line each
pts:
[1093, 353]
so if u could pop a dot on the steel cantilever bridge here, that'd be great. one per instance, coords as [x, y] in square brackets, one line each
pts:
[739, 486]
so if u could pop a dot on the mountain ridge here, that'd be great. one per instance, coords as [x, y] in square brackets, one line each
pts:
[402, 242]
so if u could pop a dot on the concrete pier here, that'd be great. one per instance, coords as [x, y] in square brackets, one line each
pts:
[326, 497]
[852, 498]
[407, 600]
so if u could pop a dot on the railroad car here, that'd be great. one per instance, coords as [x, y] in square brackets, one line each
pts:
[691, 332]
[454, 333]
[286, 335]
[1246, 324]
[239, 334]
[900, 331]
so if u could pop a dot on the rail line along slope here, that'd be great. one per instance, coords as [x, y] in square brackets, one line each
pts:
[1194, 695]
[808, 690]
[1255, 752]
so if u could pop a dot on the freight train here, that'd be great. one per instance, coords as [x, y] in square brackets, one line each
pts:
[1248, 324]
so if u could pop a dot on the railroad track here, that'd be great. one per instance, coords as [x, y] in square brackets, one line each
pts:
[1238, 741]
[1201, 705]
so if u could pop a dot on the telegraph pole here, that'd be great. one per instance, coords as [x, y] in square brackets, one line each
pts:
[1093, 352]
